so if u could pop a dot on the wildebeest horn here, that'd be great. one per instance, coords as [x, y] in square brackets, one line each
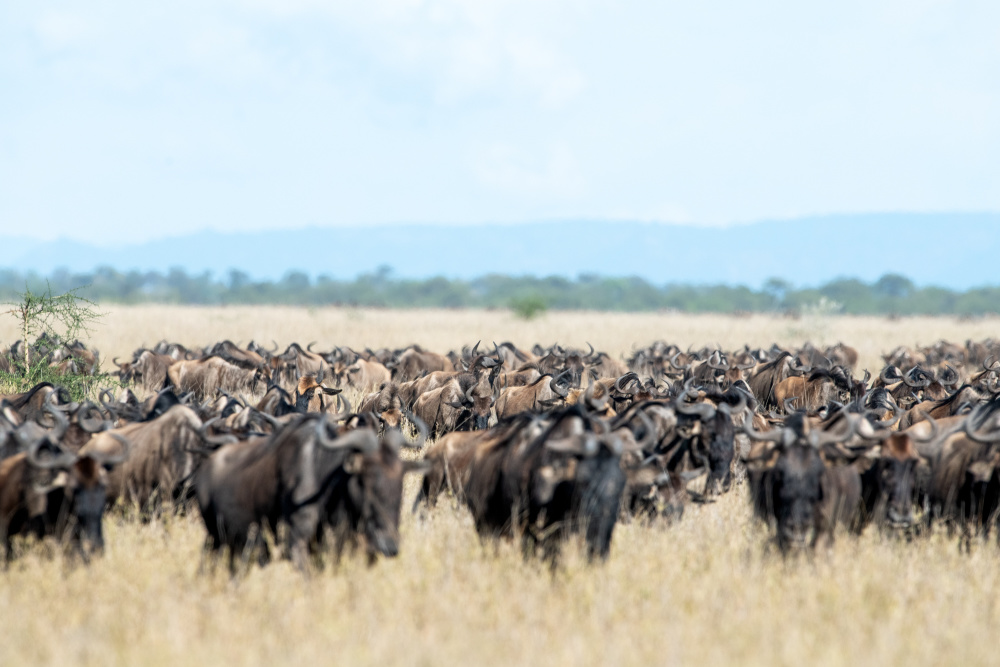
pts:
[951, 373]
[674, 364]
[918, 385]
[227, 439]
[818, 437]
[787, 404]
[363, 439]
[585, 444]
[422, 431]
[703, 411]
[630, 377]
[774, 435]
[88, 424]
[553, 385]
[984, 438]
[991, 367]
[475, 348]
[115, 361]
[61, 422]
[649, 439]
[309, 347]
[886, 378]
[346, 411]
[61, 461]
[721, 365]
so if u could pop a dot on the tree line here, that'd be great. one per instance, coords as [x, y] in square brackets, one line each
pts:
[890, 294]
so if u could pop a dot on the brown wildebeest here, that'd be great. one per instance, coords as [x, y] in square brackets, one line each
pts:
[417, 361]
[946, 407]
[386, 404]
[204, 377]
[543, 392]
[164, 455]
[814, 391]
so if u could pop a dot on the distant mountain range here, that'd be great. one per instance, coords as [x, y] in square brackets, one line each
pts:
[956, 250]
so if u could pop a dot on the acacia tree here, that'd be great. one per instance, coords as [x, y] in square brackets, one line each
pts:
[61, 316]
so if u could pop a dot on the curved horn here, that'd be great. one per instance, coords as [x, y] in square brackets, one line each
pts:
[787, 404]
[61, 461]
[919, 385]
[673, 362]
[819, 438]
[219, 440]
[61, 422]
[346, 411]
[363, 439]
[984, 438]
[88, 424]
[886, 378]
[650, 438]
[422, 431]
[703, 411]
[554, 386]
[774, 435]
[631, 377]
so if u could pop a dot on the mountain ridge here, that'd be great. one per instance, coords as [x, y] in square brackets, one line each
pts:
[955, 250]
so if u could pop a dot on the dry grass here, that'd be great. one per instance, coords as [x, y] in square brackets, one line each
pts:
[703, 591]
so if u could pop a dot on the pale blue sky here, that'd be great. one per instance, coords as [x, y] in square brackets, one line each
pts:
[134, 120]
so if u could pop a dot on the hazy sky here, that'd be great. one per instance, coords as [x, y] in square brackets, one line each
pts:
[134, 120]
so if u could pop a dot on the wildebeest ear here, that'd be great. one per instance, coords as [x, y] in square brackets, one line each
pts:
[416, 466]
[354, 463]
[330, 391]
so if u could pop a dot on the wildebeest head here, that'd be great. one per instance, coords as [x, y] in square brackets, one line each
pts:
[788, 493]
[310, 392]
[475, 405]
[374, 489]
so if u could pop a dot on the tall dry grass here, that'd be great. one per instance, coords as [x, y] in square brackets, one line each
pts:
[701, 592]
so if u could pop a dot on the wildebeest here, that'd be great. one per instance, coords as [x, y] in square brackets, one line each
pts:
[547, 480]
[164, 455]
[47, 490]
[303, 478]
[798, 494]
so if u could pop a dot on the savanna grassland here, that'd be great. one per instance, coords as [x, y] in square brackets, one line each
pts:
[704, 591]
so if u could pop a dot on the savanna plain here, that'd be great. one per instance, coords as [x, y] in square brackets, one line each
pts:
[706, 590]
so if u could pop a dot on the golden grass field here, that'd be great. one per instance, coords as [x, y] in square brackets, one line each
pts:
[704, 591]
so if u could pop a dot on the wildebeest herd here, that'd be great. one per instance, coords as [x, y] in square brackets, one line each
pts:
[539, 444]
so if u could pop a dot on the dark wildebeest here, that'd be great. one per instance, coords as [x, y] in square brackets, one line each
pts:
[47, 490]
[801, 497]
[547, 480]
[964, 485]
[301, 477]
